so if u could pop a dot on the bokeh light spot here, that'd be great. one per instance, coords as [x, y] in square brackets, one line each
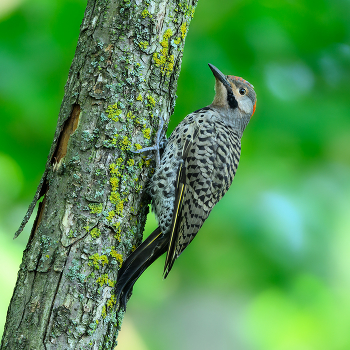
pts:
[289, 81]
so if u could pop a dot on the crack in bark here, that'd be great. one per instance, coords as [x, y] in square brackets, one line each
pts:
[70, 125]
[53, 300]
[25, 307]
[39, 215]
[31, 292]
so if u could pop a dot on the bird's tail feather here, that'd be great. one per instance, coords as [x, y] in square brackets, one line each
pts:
[146, 253]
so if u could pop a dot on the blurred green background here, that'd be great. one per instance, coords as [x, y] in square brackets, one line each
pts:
[270, 269]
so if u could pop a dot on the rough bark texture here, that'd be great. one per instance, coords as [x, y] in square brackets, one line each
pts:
[122, 79]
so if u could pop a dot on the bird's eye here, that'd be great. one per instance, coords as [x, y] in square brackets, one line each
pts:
[242, 91]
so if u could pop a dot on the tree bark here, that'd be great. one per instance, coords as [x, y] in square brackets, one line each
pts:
[122, 80]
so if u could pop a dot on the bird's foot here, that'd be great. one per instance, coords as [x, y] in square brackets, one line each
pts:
[159, 145]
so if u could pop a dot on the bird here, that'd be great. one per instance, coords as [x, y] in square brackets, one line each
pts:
[195, 170]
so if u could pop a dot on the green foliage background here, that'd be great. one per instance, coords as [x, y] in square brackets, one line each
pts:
[270, 268]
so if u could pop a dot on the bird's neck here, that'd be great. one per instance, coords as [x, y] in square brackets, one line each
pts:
[232, 117]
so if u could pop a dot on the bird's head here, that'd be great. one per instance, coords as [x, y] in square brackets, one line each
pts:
[235, 98]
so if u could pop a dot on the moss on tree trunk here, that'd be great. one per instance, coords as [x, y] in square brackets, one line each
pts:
[122, 80]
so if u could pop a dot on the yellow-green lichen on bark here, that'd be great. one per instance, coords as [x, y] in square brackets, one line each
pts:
[183, 30]
[162, 59]
[98, 260]
[95, 208]
[103, 279]
[118, 257]
[95, 233]
[113, 112]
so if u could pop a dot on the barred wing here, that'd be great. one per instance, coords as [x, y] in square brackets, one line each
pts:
[210, 159]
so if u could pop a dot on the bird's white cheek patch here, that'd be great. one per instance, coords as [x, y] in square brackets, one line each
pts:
[246, 105]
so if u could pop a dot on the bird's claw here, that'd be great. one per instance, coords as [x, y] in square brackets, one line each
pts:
[156, 147]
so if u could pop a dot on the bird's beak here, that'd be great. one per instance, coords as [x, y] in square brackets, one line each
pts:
[218, 75]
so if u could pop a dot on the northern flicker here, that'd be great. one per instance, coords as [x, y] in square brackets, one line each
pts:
[196, 169]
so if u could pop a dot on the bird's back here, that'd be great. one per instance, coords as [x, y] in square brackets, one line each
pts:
[208, 150]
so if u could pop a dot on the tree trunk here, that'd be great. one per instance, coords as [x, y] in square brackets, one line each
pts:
[122, 80]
